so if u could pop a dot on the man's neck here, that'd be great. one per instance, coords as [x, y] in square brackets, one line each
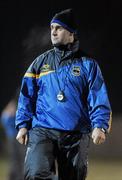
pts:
[63, 47]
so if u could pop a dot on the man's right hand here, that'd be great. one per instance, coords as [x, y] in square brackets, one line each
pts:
[22, 136]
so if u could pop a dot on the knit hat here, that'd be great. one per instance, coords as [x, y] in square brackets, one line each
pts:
[66, 19]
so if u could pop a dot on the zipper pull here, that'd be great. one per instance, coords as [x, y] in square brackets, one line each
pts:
[62, 54]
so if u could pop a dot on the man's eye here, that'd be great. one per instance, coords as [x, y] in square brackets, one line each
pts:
[60, 28]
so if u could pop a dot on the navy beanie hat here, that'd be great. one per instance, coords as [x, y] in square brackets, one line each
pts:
[66, 19]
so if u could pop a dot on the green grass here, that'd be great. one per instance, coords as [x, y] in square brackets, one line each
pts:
[105, 169]
[3, 168]
[97, 170]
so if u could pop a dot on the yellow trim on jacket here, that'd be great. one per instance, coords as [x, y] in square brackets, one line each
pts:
[37, 75]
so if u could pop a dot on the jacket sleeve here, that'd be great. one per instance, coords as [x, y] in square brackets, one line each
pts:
[98, 101]
[27, 99]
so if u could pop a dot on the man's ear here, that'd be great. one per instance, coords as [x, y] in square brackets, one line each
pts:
[71, 34]
[71, 37]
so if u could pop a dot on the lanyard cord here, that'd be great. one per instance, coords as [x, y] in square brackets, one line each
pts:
[65, 78]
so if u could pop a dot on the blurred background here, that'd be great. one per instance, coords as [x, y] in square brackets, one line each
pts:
[25, 33]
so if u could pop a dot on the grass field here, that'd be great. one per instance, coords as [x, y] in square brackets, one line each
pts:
[105, 170]
[3, 168]
[98, 169]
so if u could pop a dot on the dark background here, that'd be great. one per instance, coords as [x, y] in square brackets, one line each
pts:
[24, 34]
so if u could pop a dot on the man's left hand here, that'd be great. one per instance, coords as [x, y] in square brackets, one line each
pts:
[98, 136]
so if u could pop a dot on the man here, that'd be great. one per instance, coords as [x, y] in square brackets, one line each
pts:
[63, 98]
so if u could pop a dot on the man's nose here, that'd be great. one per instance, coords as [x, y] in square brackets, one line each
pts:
[54, 32]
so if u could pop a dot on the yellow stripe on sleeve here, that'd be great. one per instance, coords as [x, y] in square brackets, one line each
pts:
[45, 73]
[30, 75]
[37, 75]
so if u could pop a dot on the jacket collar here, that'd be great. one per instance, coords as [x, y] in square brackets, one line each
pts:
[67, 50]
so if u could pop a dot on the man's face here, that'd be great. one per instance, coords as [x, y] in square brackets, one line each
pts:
[60, 36]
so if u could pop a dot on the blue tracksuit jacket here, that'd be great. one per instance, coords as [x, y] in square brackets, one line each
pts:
[86, 103]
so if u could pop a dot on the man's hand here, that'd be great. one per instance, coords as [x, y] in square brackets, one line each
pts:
[98, 136]
[22, 136]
